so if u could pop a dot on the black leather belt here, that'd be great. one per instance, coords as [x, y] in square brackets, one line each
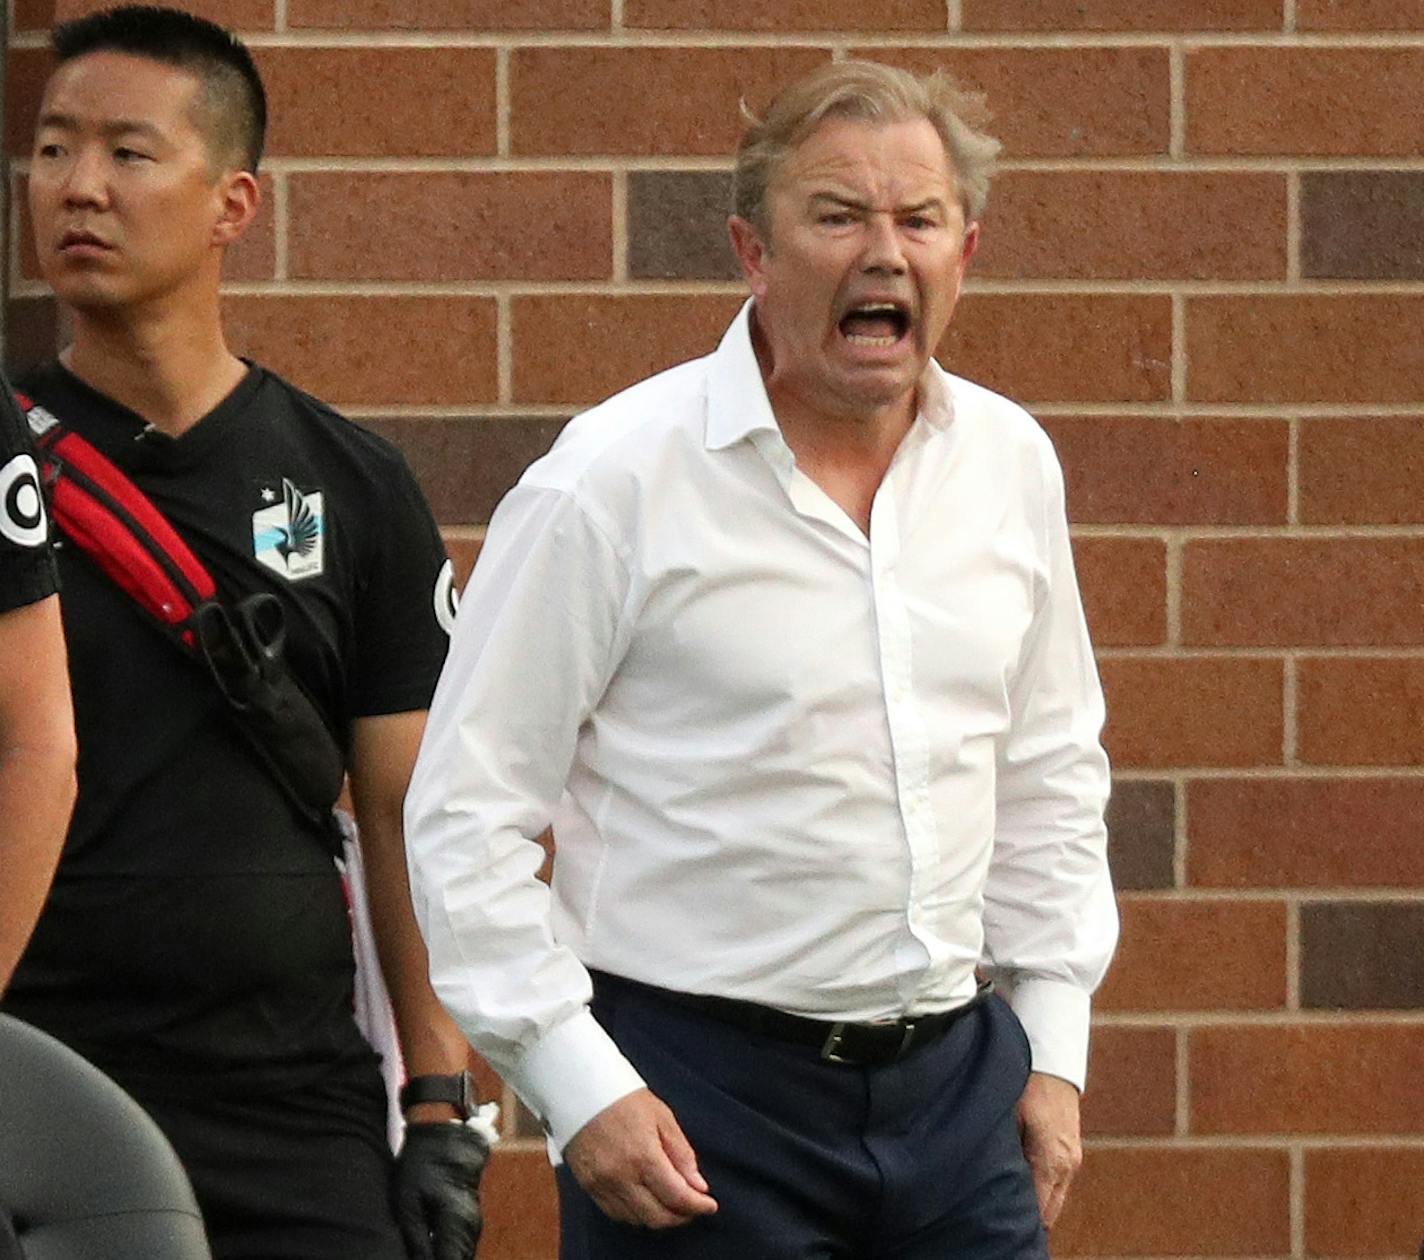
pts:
[858, 1045]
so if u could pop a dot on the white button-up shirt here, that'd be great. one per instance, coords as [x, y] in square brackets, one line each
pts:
[784, 762]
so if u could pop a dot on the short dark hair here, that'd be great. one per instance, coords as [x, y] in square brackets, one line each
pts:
[236, 101]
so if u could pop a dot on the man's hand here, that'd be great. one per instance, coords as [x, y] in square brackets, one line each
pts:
[437, 1190]
[1053, 1145]
[635, 1163]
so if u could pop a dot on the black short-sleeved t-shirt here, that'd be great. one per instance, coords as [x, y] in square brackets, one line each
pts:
[196, 936]
[27, 571]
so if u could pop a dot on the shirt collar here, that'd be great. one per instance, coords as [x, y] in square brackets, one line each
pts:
[737, 404]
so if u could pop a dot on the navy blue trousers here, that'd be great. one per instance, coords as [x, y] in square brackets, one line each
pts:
[808, 1160]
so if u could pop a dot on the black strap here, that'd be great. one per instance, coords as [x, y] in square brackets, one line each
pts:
[241, 643]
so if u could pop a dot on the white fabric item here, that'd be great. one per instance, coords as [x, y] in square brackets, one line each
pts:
[784, 762]
[374, 1016]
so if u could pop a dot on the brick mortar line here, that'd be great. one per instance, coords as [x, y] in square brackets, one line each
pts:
[1259, 1019]
[1290, 714]
[1179, 348]
[1166, 651]
[816, 40]
[1339, 774]
[1288, 17]
[1181, 833]
[1191, 410]
[501, 163]
[1280, 771]
[1082, 411]
[1293, 229]
[619, 212]
[1293, 953]
[1030, 286]
[1175, 550]
[1208, 532]
[1251, 1141]
[503, 104]
[615, 15]
[954, 15]
[1215, 163]
[279, 16]
[492, 164]
[489, 286]
[504, 348]
[1289, 897]
[281, 226]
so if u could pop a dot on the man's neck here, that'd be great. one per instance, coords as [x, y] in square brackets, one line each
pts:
[846, 456]
[172, 372]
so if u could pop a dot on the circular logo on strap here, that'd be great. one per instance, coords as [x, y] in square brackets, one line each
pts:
[22, 514]
[447, 598]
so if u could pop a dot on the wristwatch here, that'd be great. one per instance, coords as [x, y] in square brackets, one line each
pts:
[457, 1089]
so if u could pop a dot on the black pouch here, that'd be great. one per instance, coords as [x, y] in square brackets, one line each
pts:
[244, 647]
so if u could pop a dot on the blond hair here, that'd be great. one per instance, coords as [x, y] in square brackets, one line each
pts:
[865, 91]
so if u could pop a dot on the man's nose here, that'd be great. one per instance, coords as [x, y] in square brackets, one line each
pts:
[84, 181]
[884, 251]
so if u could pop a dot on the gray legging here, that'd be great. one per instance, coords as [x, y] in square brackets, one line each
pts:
[84, 1173]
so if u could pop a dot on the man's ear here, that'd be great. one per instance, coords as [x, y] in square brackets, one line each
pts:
[971, 243]
[751, 251]
[239, 197]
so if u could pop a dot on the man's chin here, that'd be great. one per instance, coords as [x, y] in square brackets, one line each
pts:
[87, 297]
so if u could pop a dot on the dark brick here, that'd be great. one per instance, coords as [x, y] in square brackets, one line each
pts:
[677, 226]
[1141, 821]
[1362, 225]
[526, 1124]
[1362, 955]
[31, 332]
[466, 463]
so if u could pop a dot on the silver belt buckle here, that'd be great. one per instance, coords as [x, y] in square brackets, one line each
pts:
[910, 1025]
[830, 1048]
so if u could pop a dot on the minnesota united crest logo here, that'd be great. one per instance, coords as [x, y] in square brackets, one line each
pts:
[288, 536]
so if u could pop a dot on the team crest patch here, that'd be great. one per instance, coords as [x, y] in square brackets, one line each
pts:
[288, 537]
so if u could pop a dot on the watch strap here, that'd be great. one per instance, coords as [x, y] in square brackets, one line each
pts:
[455, 1089]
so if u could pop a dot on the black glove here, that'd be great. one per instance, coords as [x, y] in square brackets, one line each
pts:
[437, 1190]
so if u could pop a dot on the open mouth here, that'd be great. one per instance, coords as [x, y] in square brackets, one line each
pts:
[875, 324]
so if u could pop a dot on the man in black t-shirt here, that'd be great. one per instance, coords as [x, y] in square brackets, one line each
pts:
[36, 721]
[196, 945]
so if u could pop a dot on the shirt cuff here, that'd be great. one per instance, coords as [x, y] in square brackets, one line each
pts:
[571, 1074]
[1055, 1015]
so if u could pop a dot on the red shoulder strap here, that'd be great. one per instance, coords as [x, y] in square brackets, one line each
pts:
[113, 522]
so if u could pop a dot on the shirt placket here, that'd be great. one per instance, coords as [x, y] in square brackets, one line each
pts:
[909, 736]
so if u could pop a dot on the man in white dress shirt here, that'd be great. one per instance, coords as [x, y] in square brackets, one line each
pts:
[787, 645]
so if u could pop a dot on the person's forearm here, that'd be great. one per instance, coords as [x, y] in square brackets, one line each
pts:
[430, 1040]
[36, 795]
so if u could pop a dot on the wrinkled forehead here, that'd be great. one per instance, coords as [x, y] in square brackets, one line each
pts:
[897, 162]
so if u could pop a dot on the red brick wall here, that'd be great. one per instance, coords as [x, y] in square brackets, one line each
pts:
[1202, 270]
